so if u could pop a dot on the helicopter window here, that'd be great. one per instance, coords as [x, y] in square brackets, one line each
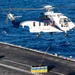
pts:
[34, 24]
[60, 15]
[39, 24]
[62, 20]
[45, 24]
[61, 25]
[66, 20]
[46, 20]
[53, 15]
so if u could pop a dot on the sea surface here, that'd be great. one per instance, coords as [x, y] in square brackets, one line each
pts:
[56, 43]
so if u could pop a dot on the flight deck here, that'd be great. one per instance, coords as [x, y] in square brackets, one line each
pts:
[16, 60]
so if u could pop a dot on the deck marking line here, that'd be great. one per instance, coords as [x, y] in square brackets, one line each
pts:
[57, 73]
[16, 62]
[15, 68]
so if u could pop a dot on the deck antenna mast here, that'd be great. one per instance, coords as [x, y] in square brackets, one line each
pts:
[44, 56]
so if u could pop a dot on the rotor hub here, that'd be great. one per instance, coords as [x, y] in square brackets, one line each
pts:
[48, 7]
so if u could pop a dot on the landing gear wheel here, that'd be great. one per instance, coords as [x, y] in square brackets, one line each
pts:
[51, 33]
[38, 35]
[66, 34]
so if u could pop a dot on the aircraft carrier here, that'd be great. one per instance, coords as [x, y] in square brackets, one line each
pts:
[16, 60]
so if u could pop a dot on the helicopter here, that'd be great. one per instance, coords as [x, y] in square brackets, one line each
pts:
[49, 21]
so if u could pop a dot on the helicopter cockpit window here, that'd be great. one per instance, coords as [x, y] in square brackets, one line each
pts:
[66, 20]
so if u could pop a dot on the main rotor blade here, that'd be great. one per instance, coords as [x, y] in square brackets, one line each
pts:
[69, 6]
[23, 9]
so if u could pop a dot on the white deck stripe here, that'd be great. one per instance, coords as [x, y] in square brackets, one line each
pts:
[57, 73]
[16, 62]
[15, 68]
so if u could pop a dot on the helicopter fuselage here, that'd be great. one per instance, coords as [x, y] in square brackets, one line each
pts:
[49, 22]
[52, 22]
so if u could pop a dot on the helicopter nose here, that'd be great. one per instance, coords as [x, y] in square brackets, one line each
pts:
[71, 25]
[74, 25]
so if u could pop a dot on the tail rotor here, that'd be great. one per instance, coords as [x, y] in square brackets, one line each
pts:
[6, 20]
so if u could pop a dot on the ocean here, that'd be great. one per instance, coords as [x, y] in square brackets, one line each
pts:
[57, 43]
